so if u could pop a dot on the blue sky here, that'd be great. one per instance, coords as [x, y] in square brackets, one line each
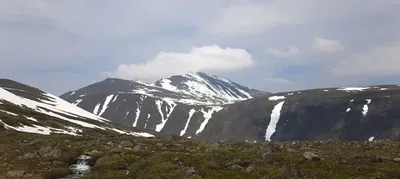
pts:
[273, 45]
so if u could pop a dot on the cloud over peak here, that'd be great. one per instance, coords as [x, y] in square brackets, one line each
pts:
[204, 58]
[327, 45]
[289, 53]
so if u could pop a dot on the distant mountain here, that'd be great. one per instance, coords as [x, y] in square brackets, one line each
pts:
[27, 109]
[192, 89]
[194, 96]
[352, 113]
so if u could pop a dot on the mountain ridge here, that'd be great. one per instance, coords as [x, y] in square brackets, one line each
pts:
[27, 109]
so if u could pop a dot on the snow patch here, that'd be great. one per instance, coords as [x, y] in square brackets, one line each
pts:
[36, 129]
[275, 115]
[76, 103]
[371, 139]
[105, 105]
[191, 112]
[10, 113]
[353, 89]
[31, 119]
[365, 108]
[147, 120]
[172, 106]
[207, 116]
[96, 109]
[275, 98]
[139, 106]
[138, 134]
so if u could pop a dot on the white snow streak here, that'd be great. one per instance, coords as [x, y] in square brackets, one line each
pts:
[10, 113]
[191, 112]
[76, 103]
[37, 129]
[147, 120]
[139, 106]
[106, 103]
[96, 109]
[275, 115]
[207, 116]
[172, 106]
[31, 119]
[365, 108]
[275, 98]
[353, 89]
[371, 139]
[115, 99]
[139, 134]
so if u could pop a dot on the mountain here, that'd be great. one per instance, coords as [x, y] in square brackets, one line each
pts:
[352, 113]
[27, 109]
[194, 97]
[192, 89]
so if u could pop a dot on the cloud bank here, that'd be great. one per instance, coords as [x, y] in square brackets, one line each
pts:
[327, 45]
[204, 58]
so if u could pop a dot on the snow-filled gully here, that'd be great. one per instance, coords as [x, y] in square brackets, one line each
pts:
[275, 115]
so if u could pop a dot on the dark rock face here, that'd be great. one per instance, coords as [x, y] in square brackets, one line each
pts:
[355, 114]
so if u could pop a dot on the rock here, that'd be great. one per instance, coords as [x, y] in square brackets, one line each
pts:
[192, 171]
[57, 163]
[249, 169]
[93, 152]
[396, 159]
[27, 156]
[126, 144]
[311, 156]
[137, 148]
[236, 167]
[16, 173]
[382, 159]
[3, 165]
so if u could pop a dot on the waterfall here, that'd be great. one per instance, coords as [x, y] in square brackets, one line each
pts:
[80, 168]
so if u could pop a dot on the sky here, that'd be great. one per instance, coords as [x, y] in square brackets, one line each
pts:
[271, 45]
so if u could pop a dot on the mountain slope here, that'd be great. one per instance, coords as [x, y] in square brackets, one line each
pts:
[189, 100]
[27, 109]
[191, 89]
[357, 113]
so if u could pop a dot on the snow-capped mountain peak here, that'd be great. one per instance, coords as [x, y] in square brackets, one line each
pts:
[202, 88]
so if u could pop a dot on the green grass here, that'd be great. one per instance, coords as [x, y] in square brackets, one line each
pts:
[162, 158]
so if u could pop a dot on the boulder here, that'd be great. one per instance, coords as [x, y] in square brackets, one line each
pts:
[311, 156]
[15, 173]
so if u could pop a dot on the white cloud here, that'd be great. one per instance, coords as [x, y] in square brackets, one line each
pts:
[290, 53]
[327, 45]
[379, 61]
[204, 58]
[248, 19]
[277, 80]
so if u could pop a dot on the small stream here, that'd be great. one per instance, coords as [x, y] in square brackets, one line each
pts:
[81, 167]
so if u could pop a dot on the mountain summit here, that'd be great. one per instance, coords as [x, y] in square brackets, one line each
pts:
[192, 89]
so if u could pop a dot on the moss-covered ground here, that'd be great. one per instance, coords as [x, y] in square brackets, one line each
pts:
[123, 157]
